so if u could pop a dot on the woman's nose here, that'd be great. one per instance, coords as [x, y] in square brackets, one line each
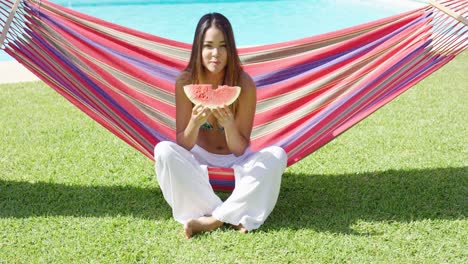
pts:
[215, 52]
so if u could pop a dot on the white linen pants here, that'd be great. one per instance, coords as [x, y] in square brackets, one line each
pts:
[183, 178]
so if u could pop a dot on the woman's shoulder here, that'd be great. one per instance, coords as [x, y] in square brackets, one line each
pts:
[183, 78]
[246, 81]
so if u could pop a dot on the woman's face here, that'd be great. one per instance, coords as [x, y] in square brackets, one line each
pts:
[214, 53]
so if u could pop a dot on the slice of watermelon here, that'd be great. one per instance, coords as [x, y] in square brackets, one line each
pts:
[205, 95]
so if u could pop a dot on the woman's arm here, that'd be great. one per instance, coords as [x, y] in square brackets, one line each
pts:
[188, 118]
[238, 129]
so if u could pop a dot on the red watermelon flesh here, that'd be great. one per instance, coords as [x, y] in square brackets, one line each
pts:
[205, 95]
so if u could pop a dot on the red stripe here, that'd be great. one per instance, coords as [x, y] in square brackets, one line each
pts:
[63, 92]
[107, 58]
[289, 85]
[141, 97]
[376, 64]
[222, 188]
[327, 135]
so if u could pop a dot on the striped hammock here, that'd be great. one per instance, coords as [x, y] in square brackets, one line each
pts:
[309, 90]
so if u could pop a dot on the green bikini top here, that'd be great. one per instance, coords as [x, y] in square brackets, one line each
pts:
[208, 126]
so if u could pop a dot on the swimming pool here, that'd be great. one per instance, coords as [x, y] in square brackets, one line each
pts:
[254, 22]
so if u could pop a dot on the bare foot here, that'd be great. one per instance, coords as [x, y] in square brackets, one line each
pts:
[188, 229]
[202, 224]
[240, 228]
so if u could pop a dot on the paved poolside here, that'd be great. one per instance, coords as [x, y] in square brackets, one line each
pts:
[14, 72]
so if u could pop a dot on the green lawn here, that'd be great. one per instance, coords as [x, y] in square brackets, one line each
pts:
[392, 189]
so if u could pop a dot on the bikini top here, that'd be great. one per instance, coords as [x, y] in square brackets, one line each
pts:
[208, 126]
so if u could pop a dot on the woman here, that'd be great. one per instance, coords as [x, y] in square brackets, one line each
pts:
[218, 137]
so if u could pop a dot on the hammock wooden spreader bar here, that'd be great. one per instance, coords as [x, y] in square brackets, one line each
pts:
[309, 90]
[8, 21]
[449, 12]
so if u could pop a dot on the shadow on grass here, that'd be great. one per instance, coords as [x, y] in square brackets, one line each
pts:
[24, 199]
[325, 203]
[334, 203]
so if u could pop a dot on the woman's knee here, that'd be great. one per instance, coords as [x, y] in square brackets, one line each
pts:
[278, 154]
[164, 150]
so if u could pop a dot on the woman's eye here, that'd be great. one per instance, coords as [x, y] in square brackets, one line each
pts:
[211, 46]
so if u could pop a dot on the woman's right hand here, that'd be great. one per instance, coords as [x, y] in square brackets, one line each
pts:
[200, 114]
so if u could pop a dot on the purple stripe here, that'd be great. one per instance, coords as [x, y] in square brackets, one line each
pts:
[408, 79]
[274, 77]
[95, 87]
[154, 69]
[383, 75]
[332, 107]
[224, 183]
[157, 70]
[50, 70]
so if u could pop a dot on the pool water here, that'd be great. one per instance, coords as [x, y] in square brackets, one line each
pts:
[254, 22]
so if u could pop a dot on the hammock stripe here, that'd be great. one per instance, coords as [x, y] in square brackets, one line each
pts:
[309, 90]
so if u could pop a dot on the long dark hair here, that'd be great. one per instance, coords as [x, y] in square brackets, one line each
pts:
[233, 66]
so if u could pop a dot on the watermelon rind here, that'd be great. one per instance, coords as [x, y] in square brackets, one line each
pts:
[203, 94]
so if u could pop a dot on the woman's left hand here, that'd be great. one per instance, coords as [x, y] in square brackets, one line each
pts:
[224, 115]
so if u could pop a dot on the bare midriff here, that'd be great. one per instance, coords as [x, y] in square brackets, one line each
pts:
[213, 141]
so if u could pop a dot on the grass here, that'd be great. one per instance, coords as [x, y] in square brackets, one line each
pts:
[391, 189]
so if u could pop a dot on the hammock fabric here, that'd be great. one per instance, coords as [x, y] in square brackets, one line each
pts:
[309, 90]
